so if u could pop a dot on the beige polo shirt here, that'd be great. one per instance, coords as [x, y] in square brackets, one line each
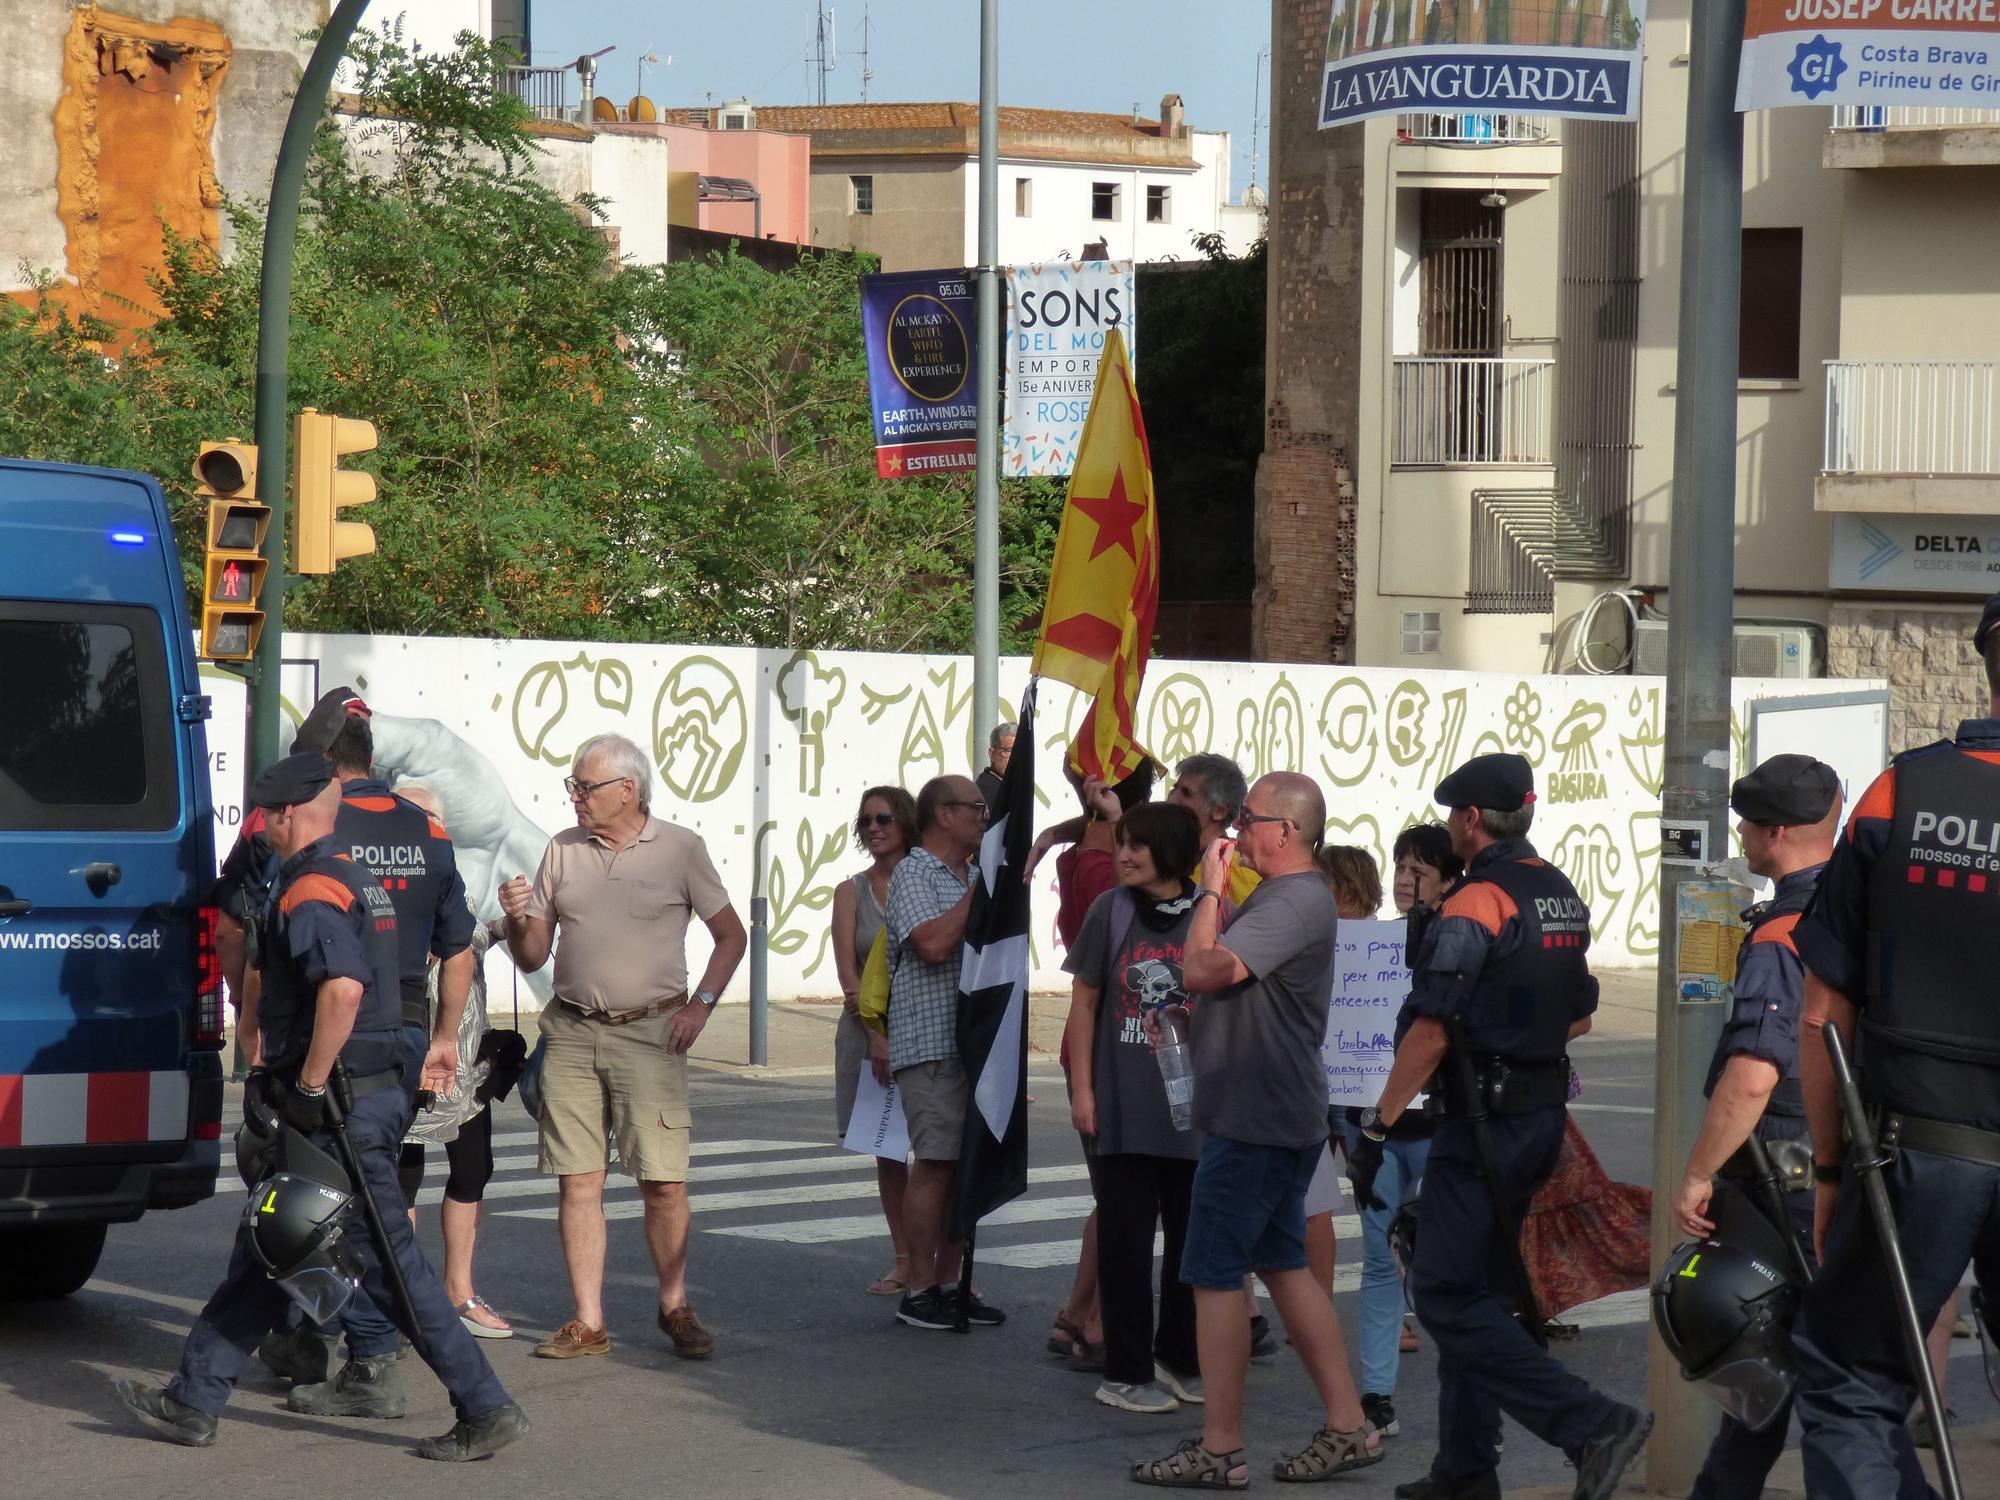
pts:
[621, 915]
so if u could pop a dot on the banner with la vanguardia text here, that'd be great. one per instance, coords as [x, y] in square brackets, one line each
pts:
[1939, 54]
[1483, 62]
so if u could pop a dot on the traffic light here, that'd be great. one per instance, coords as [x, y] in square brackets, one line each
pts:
[233, 569]
[321, 487]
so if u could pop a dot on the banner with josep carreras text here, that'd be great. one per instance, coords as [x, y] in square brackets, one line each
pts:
[1938, 54]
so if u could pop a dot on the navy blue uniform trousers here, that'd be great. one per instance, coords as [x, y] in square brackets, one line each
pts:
[1855, 1386]
[1739, 1460]
[249, 1304]
[370, 1333]
[1464, 1293]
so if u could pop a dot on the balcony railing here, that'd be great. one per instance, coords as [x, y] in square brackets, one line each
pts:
[1908, 117]
[1912, 417]
[1474, 411]
[544, 90]
[1471, 129]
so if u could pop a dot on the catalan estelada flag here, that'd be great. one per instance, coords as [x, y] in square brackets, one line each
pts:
[1104, 589]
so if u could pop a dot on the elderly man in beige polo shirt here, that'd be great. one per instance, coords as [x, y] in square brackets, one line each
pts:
[620, 886]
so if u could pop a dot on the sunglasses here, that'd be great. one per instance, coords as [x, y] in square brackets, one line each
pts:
[878, 820]
[1245, 819]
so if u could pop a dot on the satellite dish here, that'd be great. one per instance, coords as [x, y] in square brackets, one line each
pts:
[602, 108]
[641, 108]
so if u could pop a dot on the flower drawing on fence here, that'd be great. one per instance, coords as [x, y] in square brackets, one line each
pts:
[807, 695]
[1180, 718]
[1524, 730]
[700, 728]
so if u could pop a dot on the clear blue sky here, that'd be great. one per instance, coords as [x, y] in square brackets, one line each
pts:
[1054, 55]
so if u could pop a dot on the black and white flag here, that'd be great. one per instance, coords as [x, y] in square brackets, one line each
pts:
[993, 999]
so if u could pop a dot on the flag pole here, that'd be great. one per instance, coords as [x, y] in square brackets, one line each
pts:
[986, 517]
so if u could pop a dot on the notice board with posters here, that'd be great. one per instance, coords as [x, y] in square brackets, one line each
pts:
[1484, 62]
[1937, 54]
[1849, 731]
[918, 327]
[1058, 314]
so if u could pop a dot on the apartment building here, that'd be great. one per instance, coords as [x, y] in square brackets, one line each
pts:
[902, 181]
[1492, 424]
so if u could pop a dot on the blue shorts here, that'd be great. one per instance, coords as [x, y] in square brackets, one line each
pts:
[1248, 1212]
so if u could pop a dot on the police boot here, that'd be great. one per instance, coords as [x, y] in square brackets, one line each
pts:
[363, 1388]
[1431, 1487]
[304, 1356]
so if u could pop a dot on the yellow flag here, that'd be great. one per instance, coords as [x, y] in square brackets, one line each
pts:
[1104, 587]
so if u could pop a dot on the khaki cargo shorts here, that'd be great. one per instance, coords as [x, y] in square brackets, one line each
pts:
[935, 1095]
[613, 1083]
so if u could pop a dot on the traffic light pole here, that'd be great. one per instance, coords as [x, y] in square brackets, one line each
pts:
[274, 338]
[1701, 584]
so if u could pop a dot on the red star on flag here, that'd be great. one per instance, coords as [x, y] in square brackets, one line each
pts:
[1115, 515]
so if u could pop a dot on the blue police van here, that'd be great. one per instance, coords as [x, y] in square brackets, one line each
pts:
[111, 1003]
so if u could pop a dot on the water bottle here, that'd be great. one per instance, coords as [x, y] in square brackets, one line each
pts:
[1176, 1068]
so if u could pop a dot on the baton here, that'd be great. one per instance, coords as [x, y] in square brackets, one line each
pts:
[340, 1099]
[1868, 1161]
[1771, 1188]
[962, 1323]
[1510, 1231]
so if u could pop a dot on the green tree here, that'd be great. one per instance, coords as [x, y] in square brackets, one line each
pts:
[569, 448]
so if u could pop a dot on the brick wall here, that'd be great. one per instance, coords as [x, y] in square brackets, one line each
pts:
[1303, 603]
[1925, 655]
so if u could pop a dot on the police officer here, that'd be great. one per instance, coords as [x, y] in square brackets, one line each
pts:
[1902, 945]
[1504, 957]
[404, 848]
[330, 995]
[1790, 809]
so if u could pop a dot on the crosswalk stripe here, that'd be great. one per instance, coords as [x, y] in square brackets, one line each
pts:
[868, 1226]
[697, 1148]
[813, 1192]
[1042, 1254]
[844, 1161]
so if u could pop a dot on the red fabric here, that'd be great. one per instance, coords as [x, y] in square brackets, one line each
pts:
[1082, 875]
[1585, 1236]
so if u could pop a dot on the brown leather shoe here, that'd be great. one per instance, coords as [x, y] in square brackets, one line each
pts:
[691, 1340]
[574, 1338]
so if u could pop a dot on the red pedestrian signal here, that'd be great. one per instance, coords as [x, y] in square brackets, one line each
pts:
[233, 571]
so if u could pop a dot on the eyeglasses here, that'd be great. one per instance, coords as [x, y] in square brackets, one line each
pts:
[983, 810]
[879, 820]
[584, 788]
[1243, 820]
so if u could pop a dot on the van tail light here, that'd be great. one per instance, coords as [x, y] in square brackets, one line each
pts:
[208, 1007]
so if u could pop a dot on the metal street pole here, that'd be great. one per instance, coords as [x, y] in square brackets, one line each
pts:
[1701, 587]
[274, 337]
[986, 518]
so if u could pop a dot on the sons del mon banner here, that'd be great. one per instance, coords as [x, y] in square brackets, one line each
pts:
[1495, 57]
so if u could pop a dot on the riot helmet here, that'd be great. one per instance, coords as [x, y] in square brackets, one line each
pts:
[1725, 1315]
[257, 1137]
[296, 1229]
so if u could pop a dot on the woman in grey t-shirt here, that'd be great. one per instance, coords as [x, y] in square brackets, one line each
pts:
[1126, 962]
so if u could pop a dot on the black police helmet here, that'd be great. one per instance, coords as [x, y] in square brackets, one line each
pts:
[1726, 1317]
[295, 1228]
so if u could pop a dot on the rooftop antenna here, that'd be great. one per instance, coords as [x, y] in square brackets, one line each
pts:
[1256, 106]
[866, 74]
[826, 46]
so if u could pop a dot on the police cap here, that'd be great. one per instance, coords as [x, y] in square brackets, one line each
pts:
[1499, 783]
[1785, 791]
[1988, 618]
[297, 778]
[327, 717]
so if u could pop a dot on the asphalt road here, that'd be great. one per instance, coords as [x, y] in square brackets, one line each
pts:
[814, 1388]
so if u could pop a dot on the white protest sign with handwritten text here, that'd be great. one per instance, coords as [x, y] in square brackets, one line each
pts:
[1371, 979]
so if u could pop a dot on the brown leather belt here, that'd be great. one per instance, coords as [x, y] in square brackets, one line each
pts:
[625, 1017]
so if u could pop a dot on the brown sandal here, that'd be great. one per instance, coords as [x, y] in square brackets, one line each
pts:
[1328, 1454]
[1193, 1467]
[1063, 1342]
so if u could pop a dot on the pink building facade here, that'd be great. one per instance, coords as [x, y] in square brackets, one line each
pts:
[777, 166]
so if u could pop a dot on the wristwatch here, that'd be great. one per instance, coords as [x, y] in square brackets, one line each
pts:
[707, 997]
[1370, 1121]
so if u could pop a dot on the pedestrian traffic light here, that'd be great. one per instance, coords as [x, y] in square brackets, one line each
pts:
[321, 487]
[233, 568]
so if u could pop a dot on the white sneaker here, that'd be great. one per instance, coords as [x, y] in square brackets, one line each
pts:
[1148, 1399]
[1187, 1387]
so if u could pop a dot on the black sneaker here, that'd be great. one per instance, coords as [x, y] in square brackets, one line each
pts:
[925, 1310]
[977, 1314]
[1381, 1414]
[477, 1437]
[1430, 1487]
[187, 1425]
[1602, 1461]
[1262, 1340]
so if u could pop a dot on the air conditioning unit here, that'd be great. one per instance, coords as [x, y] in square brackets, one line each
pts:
[1761, 650]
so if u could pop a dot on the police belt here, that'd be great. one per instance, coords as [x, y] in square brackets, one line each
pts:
[1791, 1158]
[1938, 1137]
[1507, 1085]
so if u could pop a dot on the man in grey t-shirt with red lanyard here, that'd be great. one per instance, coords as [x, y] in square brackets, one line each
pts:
[1260, 1099]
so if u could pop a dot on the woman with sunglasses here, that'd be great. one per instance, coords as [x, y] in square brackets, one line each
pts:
[885, 830]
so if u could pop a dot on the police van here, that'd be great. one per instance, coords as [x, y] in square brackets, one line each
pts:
[111, 1005]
